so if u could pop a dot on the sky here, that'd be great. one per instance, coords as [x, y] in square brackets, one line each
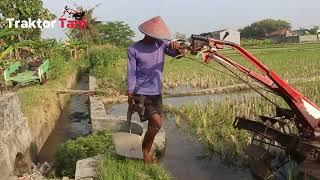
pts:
[193, 16]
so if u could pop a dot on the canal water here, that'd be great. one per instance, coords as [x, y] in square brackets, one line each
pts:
[182, 157]
[73, 122]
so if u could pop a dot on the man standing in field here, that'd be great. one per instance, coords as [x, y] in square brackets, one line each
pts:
[145, 67]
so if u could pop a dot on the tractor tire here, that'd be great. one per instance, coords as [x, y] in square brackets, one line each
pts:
[44, 80]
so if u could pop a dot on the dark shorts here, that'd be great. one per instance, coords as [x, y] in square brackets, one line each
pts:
[152, 104]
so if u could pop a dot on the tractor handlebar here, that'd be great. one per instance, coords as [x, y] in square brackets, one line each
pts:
[199, 38]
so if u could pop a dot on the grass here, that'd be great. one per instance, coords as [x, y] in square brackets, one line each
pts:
[40, 103]
[111, 166]
[108, 66]
[112, 80]
[83, 147]
[117, 168]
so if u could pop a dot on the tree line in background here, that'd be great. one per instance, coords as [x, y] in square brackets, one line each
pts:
[22, 10]
[257, 32]
[21, 43]
[100, 43]
[260, 29]
[97, 32]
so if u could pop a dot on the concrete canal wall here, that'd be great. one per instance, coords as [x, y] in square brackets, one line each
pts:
[101, 120]
[24, 137]
[86, 168]
[15, 134]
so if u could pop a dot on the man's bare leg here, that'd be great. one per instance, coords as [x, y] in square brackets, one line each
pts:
[154, 124]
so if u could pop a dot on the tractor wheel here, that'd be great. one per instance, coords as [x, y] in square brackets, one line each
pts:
[14, 84]
[44, 79]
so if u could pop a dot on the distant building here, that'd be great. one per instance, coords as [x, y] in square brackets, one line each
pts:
[287, 36]
[234, 36]
[280, 36]
[302, 32]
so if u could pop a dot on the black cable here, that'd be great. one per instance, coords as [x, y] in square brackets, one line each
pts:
[253, 85]
[249, 84]
[235, 77]
[216, 69]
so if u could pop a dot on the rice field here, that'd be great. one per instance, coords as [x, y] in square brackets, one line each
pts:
[213, 122]
[289, 61]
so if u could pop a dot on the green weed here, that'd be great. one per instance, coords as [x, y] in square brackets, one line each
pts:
[109, 68]
[83, 147]
[111, 165]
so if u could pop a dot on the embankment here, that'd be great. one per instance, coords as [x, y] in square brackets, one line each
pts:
[27, 118]
[42, 106]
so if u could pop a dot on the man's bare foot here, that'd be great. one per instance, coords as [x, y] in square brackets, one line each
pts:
[149, 160]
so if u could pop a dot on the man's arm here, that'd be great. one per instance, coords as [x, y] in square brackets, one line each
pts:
[171, 49]
[131, 68]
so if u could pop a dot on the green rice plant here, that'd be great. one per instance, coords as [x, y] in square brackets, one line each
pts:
[256, 42]
[289, 61]
[212, 123]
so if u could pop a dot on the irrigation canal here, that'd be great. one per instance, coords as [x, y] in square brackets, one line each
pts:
[181, 157]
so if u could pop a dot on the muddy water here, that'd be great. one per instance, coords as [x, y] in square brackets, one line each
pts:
[182, 159]
[182, 153]
[73, 122]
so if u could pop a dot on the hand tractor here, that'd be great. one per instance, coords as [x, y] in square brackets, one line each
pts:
[302, 147]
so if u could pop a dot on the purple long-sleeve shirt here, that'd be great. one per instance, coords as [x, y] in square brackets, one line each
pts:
[145, 67]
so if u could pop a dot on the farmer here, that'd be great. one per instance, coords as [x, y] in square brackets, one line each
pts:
[145, 67]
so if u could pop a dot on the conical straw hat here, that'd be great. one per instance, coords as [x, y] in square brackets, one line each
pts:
[155, 28]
